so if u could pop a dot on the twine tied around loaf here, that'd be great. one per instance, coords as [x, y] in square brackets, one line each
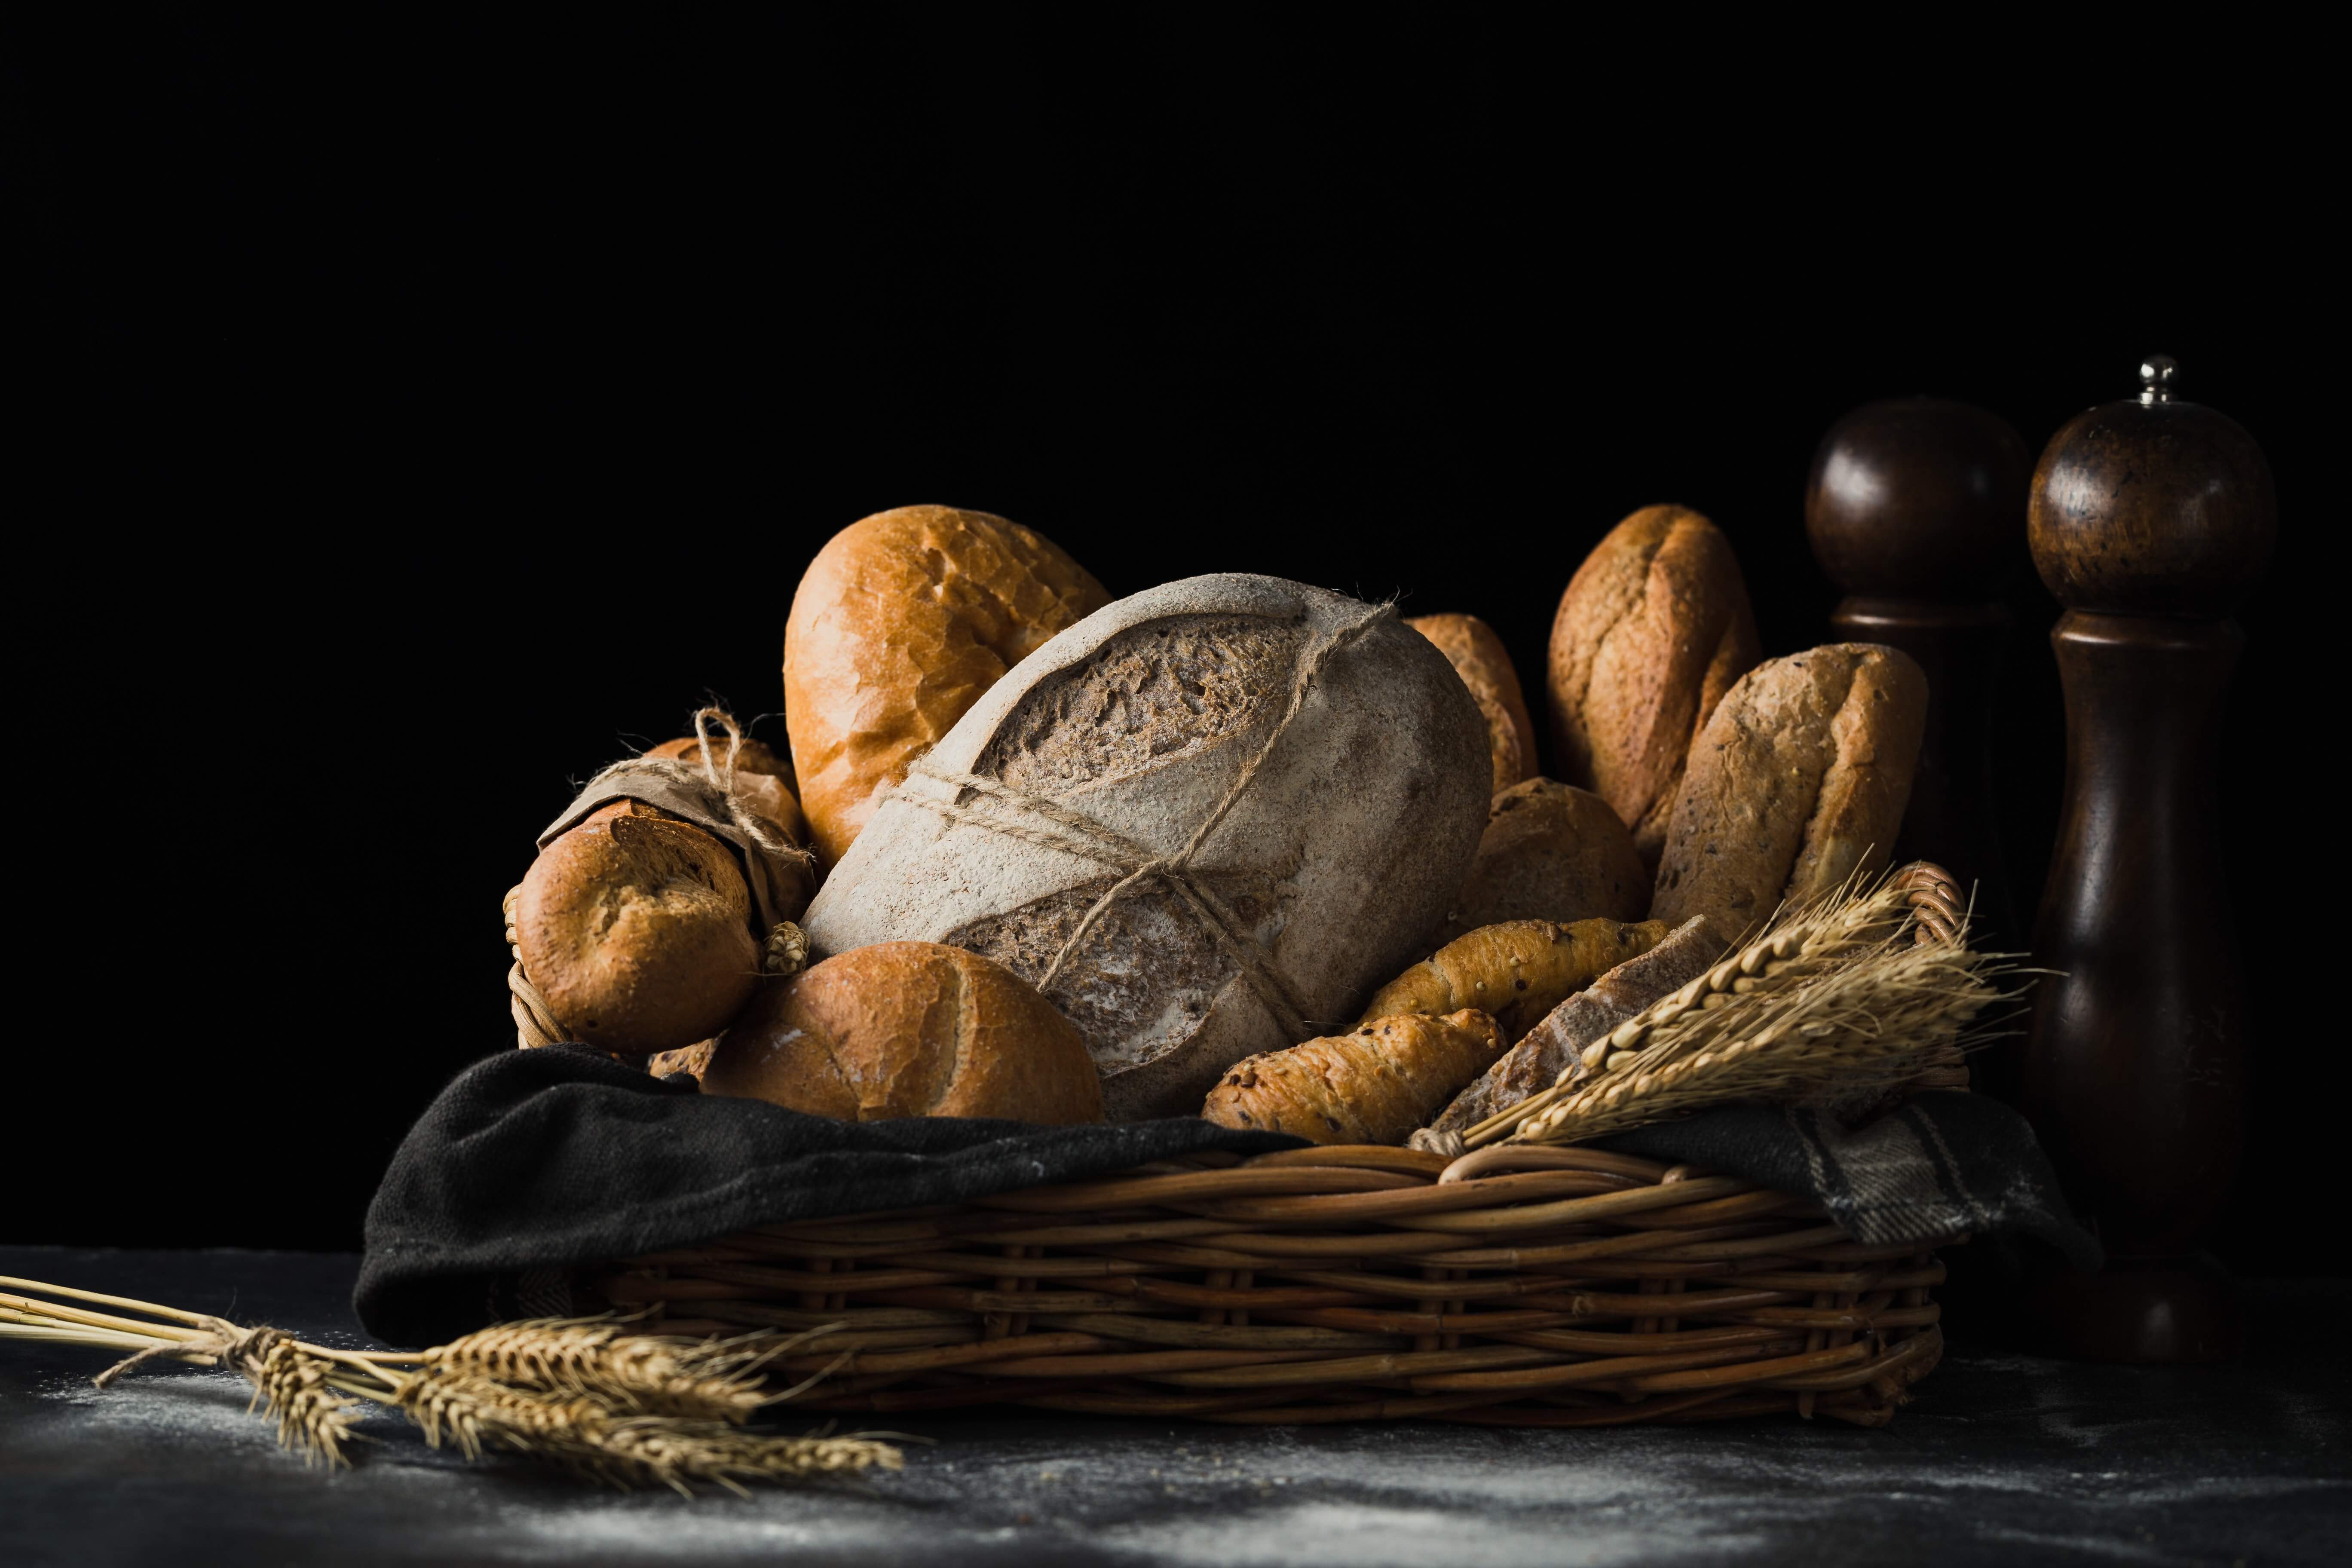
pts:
[996, 806]
[707, 792]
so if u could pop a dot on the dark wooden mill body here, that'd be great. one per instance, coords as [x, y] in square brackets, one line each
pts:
[2150, 518]
[1914, 509]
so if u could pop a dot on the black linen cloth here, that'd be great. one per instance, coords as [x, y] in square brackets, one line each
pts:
[534, 1161]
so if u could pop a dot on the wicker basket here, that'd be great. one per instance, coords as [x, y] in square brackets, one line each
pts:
[1516, 1285]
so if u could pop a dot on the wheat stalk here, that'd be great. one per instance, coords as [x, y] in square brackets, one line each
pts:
[581, 1393]
[582, 1433]
[629, 1373]
[1835, 1003]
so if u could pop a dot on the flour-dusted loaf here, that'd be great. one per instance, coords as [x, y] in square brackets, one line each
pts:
[905, 1028]
[1653, 629]
[1550, 852]
[898, 625]
[1478, 657]
[1121, 746]
[1798, 781]
[1557, 1044]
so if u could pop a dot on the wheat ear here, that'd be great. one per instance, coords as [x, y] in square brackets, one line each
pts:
[582, 1433]
[578, 1392]
[634, 1374]
[1834, 1002]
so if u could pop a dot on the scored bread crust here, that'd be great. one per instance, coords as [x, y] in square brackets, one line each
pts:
[636, 927]
[1654, 627]
[899, 626]
[1798, 782]
[1478, 657]
[907, 1028]
[1335, 857]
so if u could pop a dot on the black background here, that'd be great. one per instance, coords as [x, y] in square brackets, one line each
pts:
[435, 418]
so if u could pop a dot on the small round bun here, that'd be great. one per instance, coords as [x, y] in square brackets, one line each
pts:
[907, 1028]
[638, 929]
[1550, 852]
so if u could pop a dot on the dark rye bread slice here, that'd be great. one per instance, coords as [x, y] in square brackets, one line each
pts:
[1536, 1061]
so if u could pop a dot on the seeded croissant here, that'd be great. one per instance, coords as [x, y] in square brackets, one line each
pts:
[1374, 1085]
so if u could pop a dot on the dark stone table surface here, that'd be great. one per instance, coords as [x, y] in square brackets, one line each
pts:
[2003, 1459]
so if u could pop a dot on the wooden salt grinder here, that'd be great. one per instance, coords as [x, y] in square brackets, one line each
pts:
[2150, 518]
[1913, 510]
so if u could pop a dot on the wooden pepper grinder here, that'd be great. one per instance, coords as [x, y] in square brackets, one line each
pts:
[2150, 519]
[1913, 510]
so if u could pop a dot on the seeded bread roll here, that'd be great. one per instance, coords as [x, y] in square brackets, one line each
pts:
[1374, 1085]
[1478, 657]
[636, 928]
[899, 626]
[907, 1028]
[1550, 852]
[1653, 629]
[1798, 781]
[1517, 971]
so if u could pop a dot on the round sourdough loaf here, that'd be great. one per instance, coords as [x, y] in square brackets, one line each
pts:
[898, 627]
[1798, 781]
[1205, 822]
[1550, 852]
[636, 928]
[1652, 630]
[1478, 657]
[907, 1028]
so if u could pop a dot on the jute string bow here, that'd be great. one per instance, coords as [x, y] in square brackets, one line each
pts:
[705, 796]
[996, 806]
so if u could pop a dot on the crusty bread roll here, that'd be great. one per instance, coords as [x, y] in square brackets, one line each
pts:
[1653, 629]
[1797, 783]
[636, 928]
[899, 626]
[1550, 852]
[1478, 657]
[1374, 1085]
[907, 1028]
